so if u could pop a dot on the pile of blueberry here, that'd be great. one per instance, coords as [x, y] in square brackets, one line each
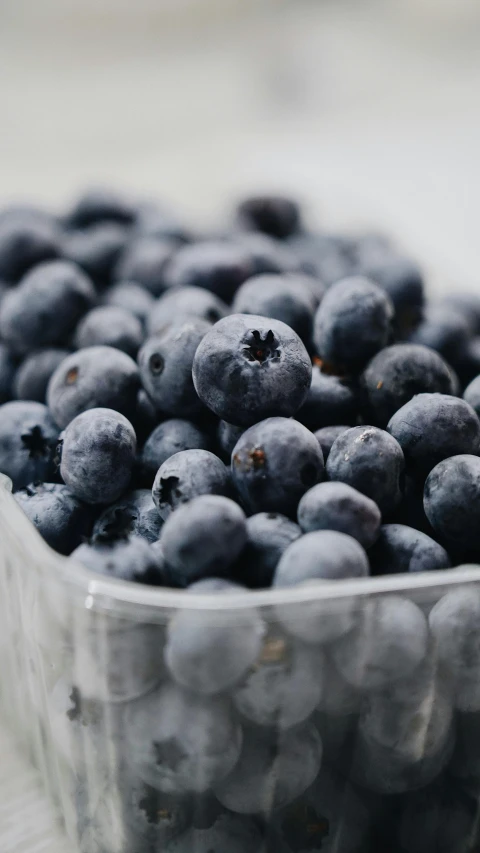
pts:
[260, 407]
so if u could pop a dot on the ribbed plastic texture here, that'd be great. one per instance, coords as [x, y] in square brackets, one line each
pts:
[342, 718]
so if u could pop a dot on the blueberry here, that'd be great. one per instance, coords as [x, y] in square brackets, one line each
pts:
[62, 520]
[28, 437]
[272, 770]
[326, 436]
[97, 455]
[330, 401]
[276, 216]
[33, 375]
[454, 627]
[8, 368]
[209, 654]
[387, 643]
[465, 764]
[432, 427]
[44, 308]
[132, 298]
[398, 373]
[352, 324]
[134, 514]
[74, 722]
[227, 437]
[96, 250]
[403, 281]
[144, 262]
[218, 267]
[370, 460]
[100, 205]
[337, 506]
[178, 741]
[165, 364]
[330, 816]
[269, 534]
[151, 818]
[170, 437]
[188, 302]
[204, 537]
[328, 256]
[186, 475]
[109, 325]
[273, 465]
[248, 368]
[282, 297]
[285, 685]
[25, 241]
[144, 419]
[228, 833]
[444, 330]
[472, 395]
[465, 303]
[437, 819]
[267, 254]
[94, 377]
[402, 549]
[452, 502]
[339, 698]
[467, 361]
[128, 560]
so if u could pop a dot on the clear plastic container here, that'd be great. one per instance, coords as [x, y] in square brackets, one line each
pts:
[339, 717]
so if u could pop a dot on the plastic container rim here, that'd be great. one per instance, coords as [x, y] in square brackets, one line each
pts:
[129, 594]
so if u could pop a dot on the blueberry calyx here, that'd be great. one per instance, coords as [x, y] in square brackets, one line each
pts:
[35, 442]
[168, 489]
[168, 753]
[261, 348]
[156, 363]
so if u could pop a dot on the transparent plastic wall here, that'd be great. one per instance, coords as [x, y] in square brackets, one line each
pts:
[344, 718]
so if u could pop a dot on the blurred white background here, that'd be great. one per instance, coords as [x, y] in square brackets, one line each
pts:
[368, 109]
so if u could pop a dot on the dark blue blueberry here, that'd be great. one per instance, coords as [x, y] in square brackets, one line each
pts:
[467, 361]
[218, 267]
[283, 297]
[204, 537]
[398, 373]
[444, 330]
[28, 438]
[328, 256]
[97, 455]
[352, 324]
[330, 401]
[248, 368]
[267, 254]
[62, 520]
[8, 369]
[168, 438]
[269, 535]
[330, 816]
[410, 510]
[96, 250]
[454, 624]
[144, 262]
[402, 549]
[44, 308]
[402, 280]
[432, 427]
[134, 514]
[186, 475]
[131, 297]
[370, 460]
[339, 698]
[387, 643]
[165, 363]
[272, 770]
[100, 205]
[25, 241]
[209, 655]
[109, 325]
[144, 419]
[228, 833]
[337, 506]
[472, 395]
[326, 437]
[94, 377]
[452, 502]
[277, 216]
[285, 685]
[185, 302]
[178, 741]
[128, 560]
[274, 463]
[227, 437]
[33, 375]
[321, 555]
